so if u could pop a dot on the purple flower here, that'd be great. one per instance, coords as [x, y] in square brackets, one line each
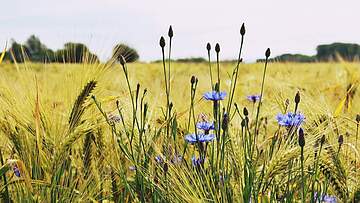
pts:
[326, 198]
[159, 159]
[206, 126]
[16, 171]
[214, 95]
[192, 138]
[177, 159]
[196, 161]
[132, 168]
[290, 119]
[254, 98]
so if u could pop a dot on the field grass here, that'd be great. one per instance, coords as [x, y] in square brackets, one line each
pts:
[76, 133]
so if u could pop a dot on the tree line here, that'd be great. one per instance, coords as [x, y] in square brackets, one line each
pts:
[35, 51]
[324, 53]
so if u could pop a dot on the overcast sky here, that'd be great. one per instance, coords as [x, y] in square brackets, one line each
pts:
[283, 25]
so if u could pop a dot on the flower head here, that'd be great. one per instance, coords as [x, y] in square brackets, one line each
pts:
[214, 95]
[16, 170]
[197, 161]
[325, 198]
[159, 159]
[254, 98]
[290, 119]
[206, 126]
[192, 138]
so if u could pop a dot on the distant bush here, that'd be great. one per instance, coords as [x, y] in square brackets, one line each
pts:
[129, 53]
[75, 53]
[335, 51]
[186, 60]
[295, 58]
[34, 51]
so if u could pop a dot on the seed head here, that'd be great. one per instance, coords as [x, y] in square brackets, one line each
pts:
[245, 111]
[217, 48]
[297, 97]
[122, 60]
[162, 42]
[267, 53]
[358, 118]
[242, 29]
[301, 138]
[208, 46]
[171, 32]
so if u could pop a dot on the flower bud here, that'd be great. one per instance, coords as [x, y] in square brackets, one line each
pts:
[217, 48]
[301, 138]
[162, 42]
[208, 46]
[243, 123]
[165, 168]
[225, 122]
[245, 111]
[242, 29]
[297, 97]
[341, 140]
[267, 53]
[193, 79]
[170, 33]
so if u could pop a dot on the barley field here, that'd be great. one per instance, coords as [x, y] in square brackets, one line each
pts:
[130, 133]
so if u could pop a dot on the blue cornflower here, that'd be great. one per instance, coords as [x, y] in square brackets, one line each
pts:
[159, 159]
[206, 126]
[326, 198]
[177, 159]
[191, 138]
[196, 161]
[214, 95]
[290, 119]
[254, 98]
[16, 171]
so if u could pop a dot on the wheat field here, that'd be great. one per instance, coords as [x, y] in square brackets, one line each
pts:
[81, 132]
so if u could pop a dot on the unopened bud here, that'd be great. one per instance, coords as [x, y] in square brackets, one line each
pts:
[242, 29]
[162, 42]
[170, 33]
[225, 121]
[297, 97]
[267, 53]
[243, 123]
[301, 138]
[208, 46]
[166, 168]
[341, 140]
[193, 79]
[245, 111]
[217, 48]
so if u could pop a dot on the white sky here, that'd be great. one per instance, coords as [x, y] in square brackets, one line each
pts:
[283, 25]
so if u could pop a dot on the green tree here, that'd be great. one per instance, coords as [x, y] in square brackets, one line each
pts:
[38, 52]
[332, 52]
[75, 53]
